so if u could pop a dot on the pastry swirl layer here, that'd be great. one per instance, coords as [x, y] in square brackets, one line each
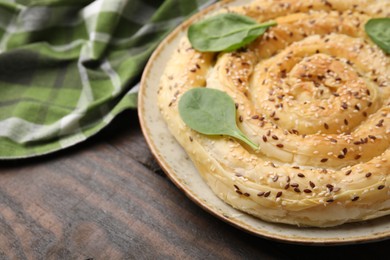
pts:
[313, 92]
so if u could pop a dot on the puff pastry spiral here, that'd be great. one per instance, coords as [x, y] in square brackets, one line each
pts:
[314, 93]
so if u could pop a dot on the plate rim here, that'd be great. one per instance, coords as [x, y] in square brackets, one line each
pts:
[331, 241]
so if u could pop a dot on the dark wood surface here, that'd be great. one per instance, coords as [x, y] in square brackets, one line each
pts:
[108, 199]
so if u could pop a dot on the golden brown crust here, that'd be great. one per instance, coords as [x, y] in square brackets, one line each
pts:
[314, 93]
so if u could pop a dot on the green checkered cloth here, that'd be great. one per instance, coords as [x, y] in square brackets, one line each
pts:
[68, 67]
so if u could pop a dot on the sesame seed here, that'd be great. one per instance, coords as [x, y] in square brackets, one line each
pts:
[279, 194]
[307, 191]
[330, 187]
[275, 137]
[301, 175]
[348, 172]
[380, 187]
[355, 198]
[280, 145]
[255, 117]
[261, 193]
[380, 123]
[264, 138]
[267, 194]
[324, 160]
[330, 200]
[297, 190]
[368, 174]
[275, 178]
[326, 126]
[294, 185]
[327, 3]
[312, 185]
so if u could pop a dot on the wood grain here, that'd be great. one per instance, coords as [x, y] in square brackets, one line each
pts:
[108, 199]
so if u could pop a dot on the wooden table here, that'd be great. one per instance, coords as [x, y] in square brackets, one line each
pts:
[108, 199]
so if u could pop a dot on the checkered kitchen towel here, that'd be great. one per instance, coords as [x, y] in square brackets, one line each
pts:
[67, 67]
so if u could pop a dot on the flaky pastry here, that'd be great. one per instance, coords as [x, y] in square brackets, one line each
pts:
[314, 93]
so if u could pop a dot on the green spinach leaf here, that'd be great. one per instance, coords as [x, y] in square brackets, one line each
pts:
[378, 29]
[211, 112]
[225, 32]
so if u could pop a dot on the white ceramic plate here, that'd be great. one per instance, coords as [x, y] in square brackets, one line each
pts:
[177, 165]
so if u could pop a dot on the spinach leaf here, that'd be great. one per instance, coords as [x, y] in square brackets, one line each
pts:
[211, 112]
[378, 29]
[225, 32]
